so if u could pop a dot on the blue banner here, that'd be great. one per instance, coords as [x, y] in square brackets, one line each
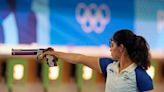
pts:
[149, 21]
[89, 22]
[57, 22]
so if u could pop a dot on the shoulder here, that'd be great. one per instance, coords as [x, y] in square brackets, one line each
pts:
[103, 63]
[106, 60]
[144, 81]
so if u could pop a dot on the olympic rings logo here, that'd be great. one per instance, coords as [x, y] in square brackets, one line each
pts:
[92, 17]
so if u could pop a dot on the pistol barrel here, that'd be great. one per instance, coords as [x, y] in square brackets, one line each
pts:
[25, 51]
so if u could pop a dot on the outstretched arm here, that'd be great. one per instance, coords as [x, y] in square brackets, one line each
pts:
[90, 61]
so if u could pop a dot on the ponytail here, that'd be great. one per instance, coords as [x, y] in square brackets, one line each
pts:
[140, 54]
[136, 46]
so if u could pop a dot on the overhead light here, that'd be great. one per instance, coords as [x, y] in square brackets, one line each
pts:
[151, 71]
[53, 73]
[87, 73]
[18, 71]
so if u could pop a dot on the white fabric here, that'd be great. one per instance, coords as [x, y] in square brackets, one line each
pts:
[125, 81]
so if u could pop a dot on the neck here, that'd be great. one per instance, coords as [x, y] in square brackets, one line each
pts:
[124, 62]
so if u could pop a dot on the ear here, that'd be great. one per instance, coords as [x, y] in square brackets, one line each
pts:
[122, 48]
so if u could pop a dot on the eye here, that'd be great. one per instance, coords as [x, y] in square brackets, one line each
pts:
[110, 43]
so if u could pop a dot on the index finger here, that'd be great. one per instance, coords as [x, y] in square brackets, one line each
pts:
[42, 55]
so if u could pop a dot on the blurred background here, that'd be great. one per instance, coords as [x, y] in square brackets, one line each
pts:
[77, 26]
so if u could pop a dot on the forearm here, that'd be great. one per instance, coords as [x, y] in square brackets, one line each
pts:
[70, 57]
[89, 61]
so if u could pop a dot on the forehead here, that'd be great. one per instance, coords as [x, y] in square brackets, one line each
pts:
[112, 42]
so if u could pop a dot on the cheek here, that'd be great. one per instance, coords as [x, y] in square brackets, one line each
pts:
[115, 53]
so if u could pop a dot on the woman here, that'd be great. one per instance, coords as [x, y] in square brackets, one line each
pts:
[126, 70]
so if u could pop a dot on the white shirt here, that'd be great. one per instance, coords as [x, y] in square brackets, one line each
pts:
[125, 81]
[132, 79]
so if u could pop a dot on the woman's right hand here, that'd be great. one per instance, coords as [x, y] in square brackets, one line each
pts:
[49, 51]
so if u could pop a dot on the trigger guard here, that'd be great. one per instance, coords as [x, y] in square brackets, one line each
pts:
[50, 61]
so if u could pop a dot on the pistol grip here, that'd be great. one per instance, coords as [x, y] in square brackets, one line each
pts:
[51, 60]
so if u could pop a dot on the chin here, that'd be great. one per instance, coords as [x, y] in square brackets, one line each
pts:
[114, 58]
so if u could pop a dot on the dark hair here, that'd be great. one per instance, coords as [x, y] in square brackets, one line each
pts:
[136, 46]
